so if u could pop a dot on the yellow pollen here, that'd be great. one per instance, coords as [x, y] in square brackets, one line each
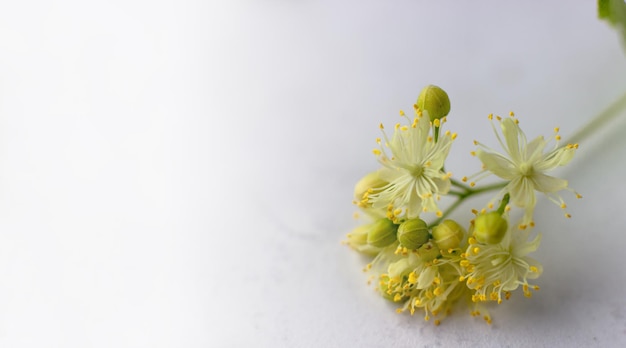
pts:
[436, 122]
[464, 179]
[376, 152]
[439, 213]
[536, 287]
[474, 211]
[404, 128]
[401, 112]
[449, 174]
[476, 250]
[511, 114]
[472, 240]
[533, 269]
[427, 318]
[412, 278]
[483, 210]
[579, 196]
[490, 205]
[438, 291]
[532, 224]
[507, 295]
[507, 208]
[556, 129]
[563, 206]
[378, 141]
[399, 310]
[490, 116]
[499, 118]
[528, 294]
[568, 215]
[522, 227]
[465, 263]
[516, 121]
[397, 297]
[472, 184]
[381, 126]
[430, 139]
[447, 132]
[473, 153]
[396, 126]
[397, 212]
[557, 137]
[437, 322]
[453, 136]
[475, 142]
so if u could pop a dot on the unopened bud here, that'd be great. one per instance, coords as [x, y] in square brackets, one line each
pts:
[490, 228]
[357, 239]
[370, 181]
[413, 233]
[435, 101]
[448, 235]
[382, 233]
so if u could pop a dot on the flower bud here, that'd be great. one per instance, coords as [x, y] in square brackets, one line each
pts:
[490, 228]
[382, 233]
[435, 101]
[413, 233]
[357, 240]
[448, 235]
[370, 181]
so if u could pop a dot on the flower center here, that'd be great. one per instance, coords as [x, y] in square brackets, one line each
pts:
[417, 171]
[526, 169]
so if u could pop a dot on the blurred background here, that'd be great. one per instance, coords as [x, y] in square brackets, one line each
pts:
[180, 173]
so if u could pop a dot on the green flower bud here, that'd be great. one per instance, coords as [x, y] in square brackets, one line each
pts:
[413, 233]
[434, 100]
[448, 235]
[370, 181]
[382, 233]
[357, 240]
[490, 228]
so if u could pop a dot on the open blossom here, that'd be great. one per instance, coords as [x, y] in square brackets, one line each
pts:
[494, 270]
[413, 169]
[422, 280]
[525, 164]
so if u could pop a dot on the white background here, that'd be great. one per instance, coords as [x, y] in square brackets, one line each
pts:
[180, 173]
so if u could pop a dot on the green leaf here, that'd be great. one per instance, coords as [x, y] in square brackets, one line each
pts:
[614, 12]
[604, 10]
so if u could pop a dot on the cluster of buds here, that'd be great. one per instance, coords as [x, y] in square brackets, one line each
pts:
[430, 266]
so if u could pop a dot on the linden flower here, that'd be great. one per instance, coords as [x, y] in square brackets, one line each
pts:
[413, 170]
[421, 281]
[525, 165]
[494, 270]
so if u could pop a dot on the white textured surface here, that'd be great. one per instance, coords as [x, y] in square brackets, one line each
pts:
[180, 173]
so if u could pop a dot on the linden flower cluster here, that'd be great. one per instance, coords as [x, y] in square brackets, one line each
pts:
[429, 266]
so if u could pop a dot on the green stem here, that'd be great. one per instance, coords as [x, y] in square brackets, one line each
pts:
[601, 119]
[462, 196]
